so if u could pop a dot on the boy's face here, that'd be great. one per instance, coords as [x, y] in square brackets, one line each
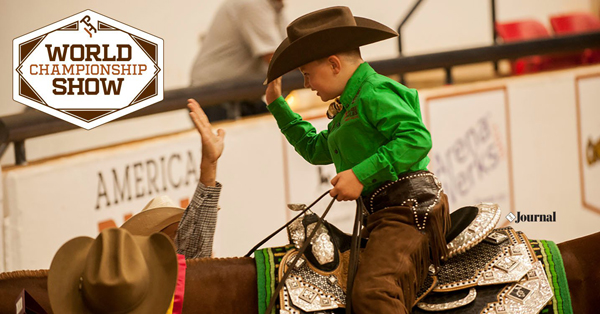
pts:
[319, 76]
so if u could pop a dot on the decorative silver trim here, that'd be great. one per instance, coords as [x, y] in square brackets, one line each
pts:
[480, 227]
[496, 238]
[322, 246]
[507, 268]
[449, 305]
[296, 232]
[297, 207]
[528, 296]
[489, 274]
[307, 297]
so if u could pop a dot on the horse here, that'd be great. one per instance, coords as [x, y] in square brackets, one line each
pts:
[228, 285]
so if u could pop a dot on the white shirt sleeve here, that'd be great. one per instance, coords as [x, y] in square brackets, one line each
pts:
[258, 24]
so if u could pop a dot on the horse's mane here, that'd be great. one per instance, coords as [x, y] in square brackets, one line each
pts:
[18, 274]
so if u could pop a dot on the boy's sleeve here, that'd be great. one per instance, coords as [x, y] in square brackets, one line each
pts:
[312, 146]
[409, 140]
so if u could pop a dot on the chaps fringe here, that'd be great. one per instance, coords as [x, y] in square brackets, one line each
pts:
[438, 225]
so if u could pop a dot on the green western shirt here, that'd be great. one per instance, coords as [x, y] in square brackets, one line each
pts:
[379, 133]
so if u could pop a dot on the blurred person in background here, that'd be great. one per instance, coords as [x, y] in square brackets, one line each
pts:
[238, 45]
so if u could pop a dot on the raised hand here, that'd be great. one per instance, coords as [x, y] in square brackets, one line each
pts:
[212, 144]
[273, 90]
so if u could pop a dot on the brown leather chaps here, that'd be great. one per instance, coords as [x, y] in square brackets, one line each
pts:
[396, 259]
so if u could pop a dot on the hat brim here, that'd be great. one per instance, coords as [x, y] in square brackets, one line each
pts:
[153, 220]
[291, 55]
[68, 265]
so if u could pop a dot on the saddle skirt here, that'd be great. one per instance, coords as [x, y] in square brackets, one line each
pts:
[487, 270]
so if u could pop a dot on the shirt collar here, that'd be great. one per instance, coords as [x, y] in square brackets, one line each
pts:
[355, 82]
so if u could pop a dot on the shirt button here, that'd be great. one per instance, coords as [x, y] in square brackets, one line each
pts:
[374, 180]
[338, 124]
[335, 151]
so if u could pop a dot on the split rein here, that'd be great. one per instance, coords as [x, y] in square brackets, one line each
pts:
[354, 249]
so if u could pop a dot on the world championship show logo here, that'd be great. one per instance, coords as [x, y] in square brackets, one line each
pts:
[88, 69]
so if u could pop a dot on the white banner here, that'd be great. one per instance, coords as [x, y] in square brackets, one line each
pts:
[54, 201]
[588, 123]
[471, 148]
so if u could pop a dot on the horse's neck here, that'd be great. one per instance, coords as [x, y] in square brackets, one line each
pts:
[11, 284]
[221, 285]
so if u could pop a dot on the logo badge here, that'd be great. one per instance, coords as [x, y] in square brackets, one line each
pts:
[510, 217]
[88, 69]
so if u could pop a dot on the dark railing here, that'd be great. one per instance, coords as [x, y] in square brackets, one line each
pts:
[449, 79]
[19, 127]
[494, 32]
[404, 20]
[399, 31]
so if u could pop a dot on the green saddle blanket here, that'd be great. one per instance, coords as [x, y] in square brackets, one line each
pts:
[267, 273]
[547, 252]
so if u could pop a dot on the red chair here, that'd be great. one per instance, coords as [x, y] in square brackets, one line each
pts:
[522, 31]
[578, 23]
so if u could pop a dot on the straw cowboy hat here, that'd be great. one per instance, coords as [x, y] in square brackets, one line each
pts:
[322, 33]
[114, 273]
[158, 214]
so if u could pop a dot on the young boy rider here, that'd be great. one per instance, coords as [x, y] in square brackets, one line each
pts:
[379, 145]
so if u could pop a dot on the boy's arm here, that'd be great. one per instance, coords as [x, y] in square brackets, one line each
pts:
[409, 140]
[312, 146]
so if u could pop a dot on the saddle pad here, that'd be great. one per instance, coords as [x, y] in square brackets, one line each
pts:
[547, 252]
[267, 273]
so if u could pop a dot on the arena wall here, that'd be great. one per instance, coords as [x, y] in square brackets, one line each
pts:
[522, 142]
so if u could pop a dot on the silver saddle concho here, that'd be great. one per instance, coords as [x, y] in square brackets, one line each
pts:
[487, 270]
[317, 283]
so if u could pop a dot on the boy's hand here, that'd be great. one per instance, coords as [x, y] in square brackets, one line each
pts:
[346, 186]
[273, 90]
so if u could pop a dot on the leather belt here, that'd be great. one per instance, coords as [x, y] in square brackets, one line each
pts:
[414, 189]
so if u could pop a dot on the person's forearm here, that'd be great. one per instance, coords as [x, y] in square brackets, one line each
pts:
[196, 229]
[208, 172]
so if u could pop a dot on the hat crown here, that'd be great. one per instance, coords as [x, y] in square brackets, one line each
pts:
[115, 278]
[320, 20]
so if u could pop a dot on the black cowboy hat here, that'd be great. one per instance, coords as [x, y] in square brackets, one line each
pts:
[322, 33]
